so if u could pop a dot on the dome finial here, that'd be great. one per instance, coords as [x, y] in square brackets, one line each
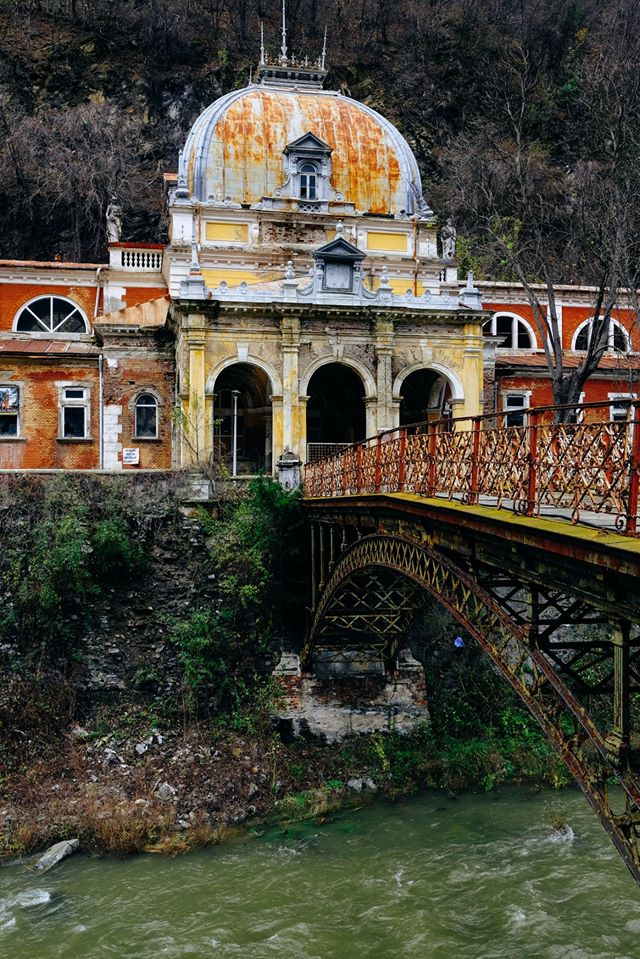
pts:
[283, 50]
[262, 54]
[324, 50]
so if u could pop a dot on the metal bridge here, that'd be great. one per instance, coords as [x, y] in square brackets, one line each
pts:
[527, 533]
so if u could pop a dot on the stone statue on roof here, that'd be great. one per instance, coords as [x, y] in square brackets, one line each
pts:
[448, 235]
[114, 221]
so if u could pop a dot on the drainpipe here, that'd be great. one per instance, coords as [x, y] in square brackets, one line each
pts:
[234, 459]
[415, 256]
[101, 406]
[100, 376]
[95, 308]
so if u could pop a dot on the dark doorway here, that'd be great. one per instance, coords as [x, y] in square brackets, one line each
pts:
[426, 395]
[335, 410]
[242, 394]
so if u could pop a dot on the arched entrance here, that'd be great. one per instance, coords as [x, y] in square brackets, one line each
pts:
[242, 420]
[425, 395]
[335, 410]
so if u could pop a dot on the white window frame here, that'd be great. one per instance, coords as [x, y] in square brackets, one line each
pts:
[515, 319]
[65, 402]
[4, 384]
[610, 347]
[45, 333]
[525, 395]
[156, 401]
[612, 397]
[303, 177]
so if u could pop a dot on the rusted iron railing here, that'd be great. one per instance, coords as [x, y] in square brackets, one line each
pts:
[587, 470]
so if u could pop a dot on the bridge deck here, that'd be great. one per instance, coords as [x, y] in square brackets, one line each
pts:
[502, 535]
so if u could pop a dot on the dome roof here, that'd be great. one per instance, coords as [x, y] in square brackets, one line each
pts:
[235, 148]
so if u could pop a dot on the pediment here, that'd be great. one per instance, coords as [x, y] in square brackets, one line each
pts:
[308, 143]
[339, 249]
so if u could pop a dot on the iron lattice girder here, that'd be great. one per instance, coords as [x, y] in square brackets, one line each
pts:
[375, 603]
[604, 571]
[585, 751]
[547, 615]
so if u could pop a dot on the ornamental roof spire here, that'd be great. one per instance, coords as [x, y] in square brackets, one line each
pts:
[306, 73]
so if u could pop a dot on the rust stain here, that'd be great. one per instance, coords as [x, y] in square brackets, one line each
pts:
[245, 158]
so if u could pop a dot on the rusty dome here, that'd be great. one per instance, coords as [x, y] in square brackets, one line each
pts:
[235, 149]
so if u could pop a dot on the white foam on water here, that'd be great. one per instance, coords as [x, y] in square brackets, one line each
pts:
[565, 834]
[32, 897]
[7, 923]
[517, 915]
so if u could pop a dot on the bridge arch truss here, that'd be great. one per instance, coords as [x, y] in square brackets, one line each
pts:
[370, 578]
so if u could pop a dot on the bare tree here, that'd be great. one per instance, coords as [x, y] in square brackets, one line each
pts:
[542, 222]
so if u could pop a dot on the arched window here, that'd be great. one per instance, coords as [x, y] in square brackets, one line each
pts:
[51, 314]
[517, 333]
[146, 417]
[308, 182]
[617, 337]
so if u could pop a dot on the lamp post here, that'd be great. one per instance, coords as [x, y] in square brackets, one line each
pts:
[234, 433]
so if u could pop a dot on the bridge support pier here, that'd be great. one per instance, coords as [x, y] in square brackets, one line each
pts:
[350, 694]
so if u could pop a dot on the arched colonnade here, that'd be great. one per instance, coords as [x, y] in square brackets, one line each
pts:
[244, 409]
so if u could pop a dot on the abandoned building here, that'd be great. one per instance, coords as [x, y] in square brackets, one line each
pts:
[305, 298]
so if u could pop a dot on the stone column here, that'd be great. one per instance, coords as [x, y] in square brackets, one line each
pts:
[383, 340]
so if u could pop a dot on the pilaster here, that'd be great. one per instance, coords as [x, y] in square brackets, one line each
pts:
[293, 429]
[383, 341]
[195, 445]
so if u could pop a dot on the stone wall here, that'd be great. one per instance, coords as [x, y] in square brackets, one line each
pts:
[339, 703]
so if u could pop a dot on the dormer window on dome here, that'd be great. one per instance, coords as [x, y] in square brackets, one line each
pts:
[307, 167]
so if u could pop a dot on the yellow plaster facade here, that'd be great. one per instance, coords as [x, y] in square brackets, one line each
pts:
[300, 324]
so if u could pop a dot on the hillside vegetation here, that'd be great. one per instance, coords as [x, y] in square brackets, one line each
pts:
[96, 97]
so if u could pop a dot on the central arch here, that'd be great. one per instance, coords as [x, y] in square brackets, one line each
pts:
[525, 668]
[336, 412]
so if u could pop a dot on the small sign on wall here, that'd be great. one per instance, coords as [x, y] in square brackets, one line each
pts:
[130, 456]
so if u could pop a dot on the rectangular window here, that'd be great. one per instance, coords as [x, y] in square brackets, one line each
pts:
[515, 405]
[75, 413]
[9, 410]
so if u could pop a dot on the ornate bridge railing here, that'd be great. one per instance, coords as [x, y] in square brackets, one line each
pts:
[586, 470]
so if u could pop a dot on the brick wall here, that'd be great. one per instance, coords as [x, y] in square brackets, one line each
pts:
[39, 444]
[15, 295]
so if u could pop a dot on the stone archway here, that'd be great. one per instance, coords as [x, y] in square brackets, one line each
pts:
[242, 412]
[425, 394]
[336, 412]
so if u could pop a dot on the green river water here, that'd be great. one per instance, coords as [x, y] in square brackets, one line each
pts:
[478, 876]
